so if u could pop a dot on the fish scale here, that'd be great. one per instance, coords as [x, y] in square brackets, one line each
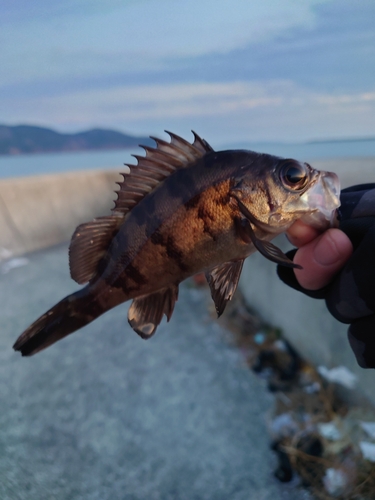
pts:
[183, 209]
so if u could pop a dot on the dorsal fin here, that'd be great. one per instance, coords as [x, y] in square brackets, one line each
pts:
[159, 163]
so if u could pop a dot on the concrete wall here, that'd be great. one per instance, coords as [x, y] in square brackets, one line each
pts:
[37, 212]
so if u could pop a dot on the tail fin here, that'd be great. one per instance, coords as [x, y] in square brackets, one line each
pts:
[64, 318]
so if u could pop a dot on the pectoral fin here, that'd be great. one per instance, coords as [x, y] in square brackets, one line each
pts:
[223, 281]
[266, 248]
[146, 313]
[273, 253]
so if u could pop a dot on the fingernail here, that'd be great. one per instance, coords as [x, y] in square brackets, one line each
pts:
[326, 251]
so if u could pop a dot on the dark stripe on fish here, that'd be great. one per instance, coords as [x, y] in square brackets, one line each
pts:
[175, 253]
[194, 202]
[207, 218]
[135, 275]
[170, 248]
[222, 200]
[157, 238]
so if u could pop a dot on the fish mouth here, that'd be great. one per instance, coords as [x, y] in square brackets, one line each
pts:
[322, 200]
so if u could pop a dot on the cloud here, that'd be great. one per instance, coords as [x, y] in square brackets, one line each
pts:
[84, 39]
[236, 69]
[234, 111]
[333, 54]
[322, 45]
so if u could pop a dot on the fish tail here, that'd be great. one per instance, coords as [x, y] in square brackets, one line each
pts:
[67, 316]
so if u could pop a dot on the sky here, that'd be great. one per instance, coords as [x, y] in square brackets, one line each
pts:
[232, 70]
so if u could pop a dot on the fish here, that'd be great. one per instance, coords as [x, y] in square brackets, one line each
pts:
[183, 209]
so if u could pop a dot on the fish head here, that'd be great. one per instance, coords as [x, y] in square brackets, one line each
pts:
[279, 191]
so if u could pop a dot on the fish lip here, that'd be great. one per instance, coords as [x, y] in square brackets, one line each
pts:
[323, 200]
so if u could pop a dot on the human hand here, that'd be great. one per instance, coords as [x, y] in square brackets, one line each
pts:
[320, 255]
[345, 280]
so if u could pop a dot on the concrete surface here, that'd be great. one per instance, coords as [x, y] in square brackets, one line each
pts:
[305, 322]
[37, 212]
[351, 171]
[104, 414]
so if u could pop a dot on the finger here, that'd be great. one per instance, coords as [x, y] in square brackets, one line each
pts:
[322, 258]
[300, 234]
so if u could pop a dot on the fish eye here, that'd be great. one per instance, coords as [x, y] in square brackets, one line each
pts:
[293, 175]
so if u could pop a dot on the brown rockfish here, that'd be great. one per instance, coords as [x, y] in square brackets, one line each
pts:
[183, 209]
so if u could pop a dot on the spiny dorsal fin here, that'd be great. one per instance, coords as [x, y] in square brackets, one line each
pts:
[223, 280]
[146, 313]
[159, 163]
[201, 144]
[88, 245]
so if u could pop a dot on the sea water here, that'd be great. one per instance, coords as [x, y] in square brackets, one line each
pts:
[48, 163]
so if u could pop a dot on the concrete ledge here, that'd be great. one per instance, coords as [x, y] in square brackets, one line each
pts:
[37, 212]
[351, 171]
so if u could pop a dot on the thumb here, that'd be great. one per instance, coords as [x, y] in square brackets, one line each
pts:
[322, 258]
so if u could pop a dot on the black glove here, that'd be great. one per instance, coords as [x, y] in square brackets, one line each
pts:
[350, 297]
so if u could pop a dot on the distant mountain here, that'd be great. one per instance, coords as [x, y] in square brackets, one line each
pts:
[22, 139]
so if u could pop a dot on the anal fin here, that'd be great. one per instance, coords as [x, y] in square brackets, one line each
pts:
[146, 313]
[223, 280]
